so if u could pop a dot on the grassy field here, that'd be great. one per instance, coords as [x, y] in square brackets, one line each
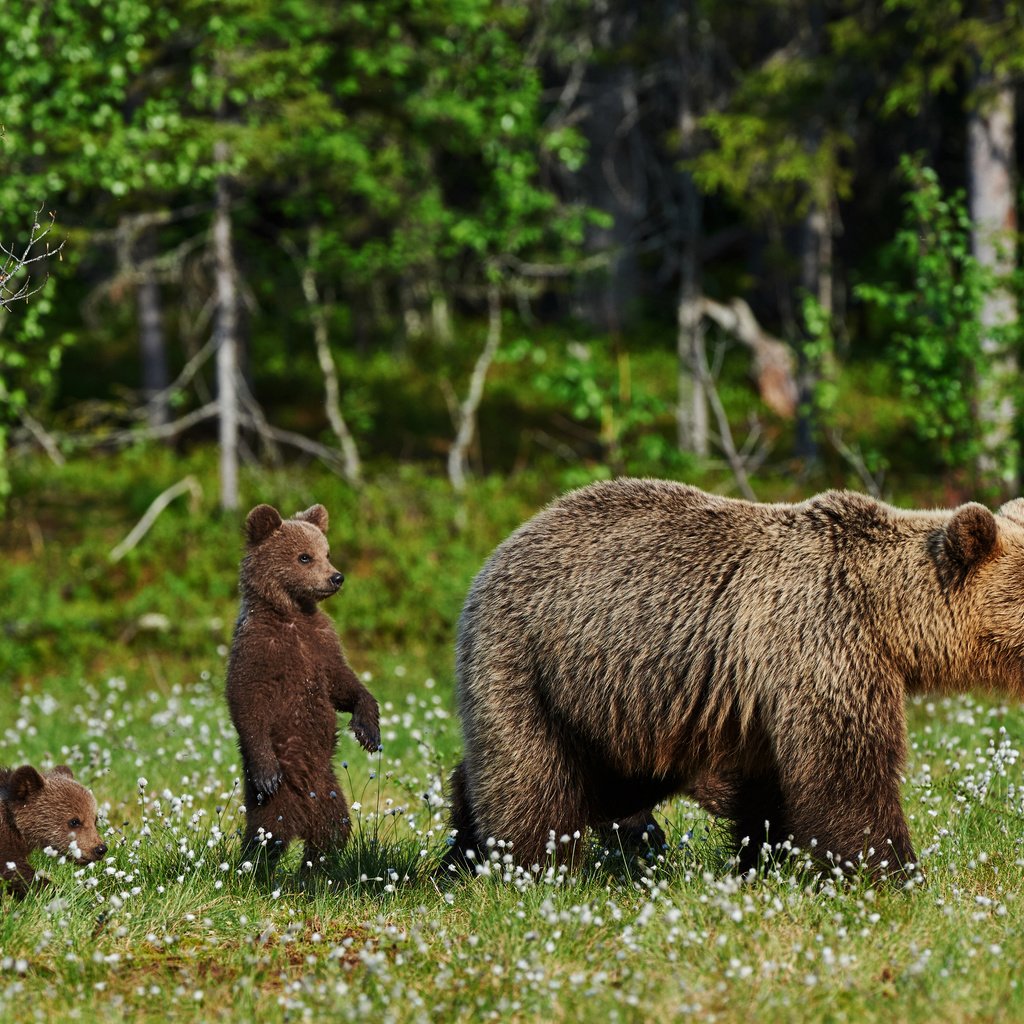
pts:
[117, 670]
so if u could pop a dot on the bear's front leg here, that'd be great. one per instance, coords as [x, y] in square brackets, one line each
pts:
[854, 818]
[636, 832]
[349, 695]
[366, 722]
[20, 876]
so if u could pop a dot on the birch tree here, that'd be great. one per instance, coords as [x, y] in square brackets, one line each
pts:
[991, 147]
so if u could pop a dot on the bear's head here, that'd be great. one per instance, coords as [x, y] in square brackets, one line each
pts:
[981, 566]
[288, 561]
[51, 809]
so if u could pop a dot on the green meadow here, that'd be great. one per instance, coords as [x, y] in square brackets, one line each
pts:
[117, 669]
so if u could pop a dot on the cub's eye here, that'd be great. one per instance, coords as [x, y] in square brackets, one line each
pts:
[75, 823]
[305, 559]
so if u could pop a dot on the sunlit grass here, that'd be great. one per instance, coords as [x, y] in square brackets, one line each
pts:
[172, 925]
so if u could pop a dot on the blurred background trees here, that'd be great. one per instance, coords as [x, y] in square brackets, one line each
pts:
[773, 240]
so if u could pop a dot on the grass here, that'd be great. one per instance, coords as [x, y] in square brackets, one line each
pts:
[170, 926]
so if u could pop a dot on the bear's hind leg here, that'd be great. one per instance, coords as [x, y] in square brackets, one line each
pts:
[525, 792]
[328, 822]
[544, 815]
[462, 822]
[268, 831]
[757, 810]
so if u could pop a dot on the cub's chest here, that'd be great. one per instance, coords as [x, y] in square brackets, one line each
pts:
[305, 651]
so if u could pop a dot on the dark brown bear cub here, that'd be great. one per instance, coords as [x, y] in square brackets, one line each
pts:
[640, 638]
[40, 810]
[287, 676]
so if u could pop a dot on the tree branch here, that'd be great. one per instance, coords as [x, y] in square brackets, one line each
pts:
[773, 359]
[468, 409]
[188, 485]
[15, 263]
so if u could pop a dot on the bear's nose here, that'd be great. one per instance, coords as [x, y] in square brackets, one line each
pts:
[337, 579]
[101, 850]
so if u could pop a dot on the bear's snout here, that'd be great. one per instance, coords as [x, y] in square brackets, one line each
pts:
[99, 851]
[337, 579]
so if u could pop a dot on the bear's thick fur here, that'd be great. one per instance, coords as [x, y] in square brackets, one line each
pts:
[640, 638]
[287, 677]
[40, 810]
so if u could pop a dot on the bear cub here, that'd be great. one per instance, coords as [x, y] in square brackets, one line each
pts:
[40, 810]
[287, 677]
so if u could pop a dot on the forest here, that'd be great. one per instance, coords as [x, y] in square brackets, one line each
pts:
[433, 263]
[472, 235]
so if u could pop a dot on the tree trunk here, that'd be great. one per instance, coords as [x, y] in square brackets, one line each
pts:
[332, 392]
[815, 264]
[152, 342]
[815, 283]
[467, 411]
[611, 181]
[692, 406]
[226, 332]
[990, 155]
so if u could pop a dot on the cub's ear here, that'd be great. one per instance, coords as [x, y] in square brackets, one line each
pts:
[260, 523]
[971, 535]
[62, 769]
[23, 783]
[1014, 510]
[315, 514]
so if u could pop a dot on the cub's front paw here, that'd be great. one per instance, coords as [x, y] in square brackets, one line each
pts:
[266, 782]
[367, 732]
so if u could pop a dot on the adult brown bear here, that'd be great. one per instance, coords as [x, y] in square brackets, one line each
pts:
[640, 638]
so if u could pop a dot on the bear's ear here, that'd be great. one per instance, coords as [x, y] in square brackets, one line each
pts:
[260, 523]
[62, 769]
[1014, 510]
[971, 535]
[315, 514]
[23, 783]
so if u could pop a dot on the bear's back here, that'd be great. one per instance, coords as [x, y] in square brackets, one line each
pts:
[639, 594]
[629, 543]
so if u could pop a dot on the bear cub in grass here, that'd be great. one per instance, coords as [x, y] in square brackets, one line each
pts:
[641, 638]
[40, 810]
[287, 677]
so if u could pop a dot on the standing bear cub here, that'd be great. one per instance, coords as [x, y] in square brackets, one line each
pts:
[641, 638]
[287, 676]
[40, 810]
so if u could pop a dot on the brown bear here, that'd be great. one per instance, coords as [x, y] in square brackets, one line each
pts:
[40, 810]
[641, 638]
[287, 676]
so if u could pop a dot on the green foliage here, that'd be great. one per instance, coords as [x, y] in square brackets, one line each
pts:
[944, 41]
[603, 392]
[818, 346]
[767, 170]
[29, 360]
[781, 143]
[934, 305]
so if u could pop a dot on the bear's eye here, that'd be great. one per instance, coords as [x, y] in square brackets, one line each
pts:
[75, 823]
[305, 559]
